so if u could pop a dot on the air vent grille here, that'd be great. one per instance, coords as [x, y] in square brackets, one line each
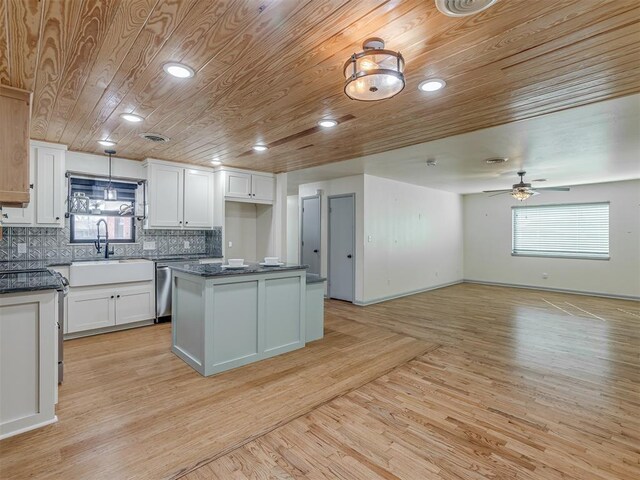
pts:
[462, 8]
[154, 137]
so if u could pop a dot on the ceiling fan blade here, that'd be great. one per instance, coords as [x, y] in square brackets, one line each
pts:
[504, 190]
[500, 193]
[555, 189]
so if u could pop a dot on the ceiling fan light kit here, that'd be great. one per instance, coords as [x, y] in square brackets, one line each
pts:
[375, 73]
[522, 191]
[462, 8]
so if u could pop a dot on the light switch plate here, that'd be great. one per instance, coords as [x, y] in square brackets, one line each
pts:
[149, 245]
[186, 244]
[22, 248]
[230, 244]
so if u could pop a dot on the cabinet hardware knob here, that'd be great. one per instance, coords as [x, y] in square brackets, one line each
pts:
[180, 221]
[186, 223]
[31, 185]
[117, 296]
[57, 218]
[111, 296]
[349, 256]
[5, 215]
[315, 251]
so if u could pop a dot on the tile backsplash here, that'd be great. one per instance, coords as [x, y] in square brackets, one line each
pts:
[51, 245]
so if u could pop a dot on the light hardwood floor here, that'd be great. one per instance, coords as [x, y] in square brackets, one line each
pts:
[466, 382]
[527, 384]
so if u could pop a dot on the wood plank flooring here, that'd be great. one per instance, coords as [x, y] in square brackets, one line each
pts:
[468, 382]
[129, 408]
[527, 385]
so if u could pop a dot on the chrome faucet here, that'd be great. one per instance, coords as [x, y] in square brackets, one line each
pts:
[107, 252]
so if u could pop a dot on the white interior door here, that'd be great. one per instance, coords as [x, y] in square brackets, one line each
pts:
[342, 247]
[310, 235]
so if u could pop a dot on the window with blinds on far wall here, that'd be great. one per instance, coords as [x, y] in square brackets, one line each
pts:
[579, 230]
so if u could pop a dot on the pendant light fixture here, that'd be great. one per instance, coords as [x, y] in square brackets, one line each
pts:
[374, 73]
[110, 193]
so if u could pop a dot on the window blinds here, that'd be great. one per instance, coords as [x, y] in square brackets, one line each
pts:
[570, 230]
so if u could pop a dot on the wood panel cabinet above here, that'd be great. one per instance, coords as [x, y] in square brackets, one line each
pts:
[15, 105]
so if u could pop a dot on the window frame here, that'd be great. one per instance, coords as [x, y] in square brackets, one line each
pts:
[584, 256]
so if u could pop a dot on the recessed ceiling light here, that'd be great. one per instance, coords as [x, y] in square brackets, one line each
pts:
[131, 117]
[216, 161]
[495, 160]
[260, 147]
[178, 70]
[431, 85]
[106, 143]
[327, 123]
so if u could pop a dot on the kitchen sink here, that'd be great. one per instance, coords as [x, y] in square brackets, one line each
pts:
[103, 272]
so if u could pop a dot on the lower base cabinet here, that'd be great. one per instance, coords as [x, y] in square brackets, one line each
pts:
[28, 361]
[91, 308]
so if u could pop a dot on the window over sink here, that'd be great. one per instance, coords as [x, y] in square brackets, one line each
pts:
[87, 206]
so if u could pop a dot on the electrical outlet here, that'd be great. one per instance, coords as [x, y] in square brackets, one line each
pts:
[230, 244]
[186, 244]
[149, 245]
[370, 238]
[22, 248]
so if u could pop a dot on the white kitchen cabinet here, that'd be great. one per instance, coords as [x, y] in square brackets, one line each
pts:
[179, 198]
[198, 199]
[28, 361]
[134, 304]
[249, 187]
[92, 308]
[49, 186]
[262, 187]
[166, 195]
[47, 205]
[238, 185]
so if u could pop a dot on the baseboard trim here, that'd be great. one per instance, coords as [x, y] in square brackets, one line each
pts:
[558, 290]
[405, 294]
[114, 328]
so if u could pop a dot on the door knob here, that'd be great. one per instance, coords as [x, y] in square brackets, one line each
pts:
[349, 256]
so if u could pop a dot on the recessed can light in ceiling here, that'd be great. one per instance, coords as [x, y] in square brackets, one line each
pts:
[106, 143]
[131, 117]
[216, 161]
[496, 160]
[327, 123]
[178, 70]
[431, 85]
[260, 147]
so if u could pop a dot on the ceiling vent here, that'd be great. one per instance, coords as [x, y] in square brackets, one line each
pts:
[496, 160]
[154, 137]
[462, 8]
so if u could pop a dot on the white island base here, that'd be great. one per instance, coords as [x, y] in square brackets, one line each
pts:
[226, 321]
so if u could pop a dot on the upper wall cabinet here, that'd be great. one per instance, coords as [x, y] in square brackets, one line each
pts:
[249, 187]
[47, 185]
[14, 146]
[179, 198]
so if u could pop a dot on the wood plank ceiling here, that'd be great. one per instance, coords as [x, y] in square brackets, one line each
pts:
[268, 71]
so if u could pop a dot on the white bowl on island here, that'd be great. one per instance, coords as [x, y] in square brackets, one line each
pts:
[236, 262]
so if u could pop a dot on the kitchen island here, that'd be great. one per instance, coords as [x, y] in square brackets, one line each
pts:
[224, 318]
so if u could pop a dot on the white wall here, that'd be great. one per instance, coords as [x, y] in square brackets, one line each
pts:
[413, 238]
[293, 229]
[338, 186]
[487, 243]
[240, 226]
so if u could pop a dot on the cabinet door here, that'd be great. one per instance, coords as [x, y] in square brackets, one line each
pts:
[134, 304]
[90, 309]
[198, 199]
[22, 215]
[14, 142]
[49, 186]
[165, 196]
[262, 187]
[238, 185]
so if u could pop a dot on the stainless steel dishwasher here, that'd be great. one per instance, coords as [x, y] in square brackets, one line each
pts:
[163, 291]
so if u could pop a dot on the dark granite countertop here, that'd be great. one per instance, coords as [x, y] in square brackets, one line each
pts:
[217, 270]
[153, 258]
[15, 281]
[315, 278]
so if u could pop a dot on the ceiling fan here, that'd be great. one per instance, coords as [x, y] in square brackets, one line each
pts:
[521, 191]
